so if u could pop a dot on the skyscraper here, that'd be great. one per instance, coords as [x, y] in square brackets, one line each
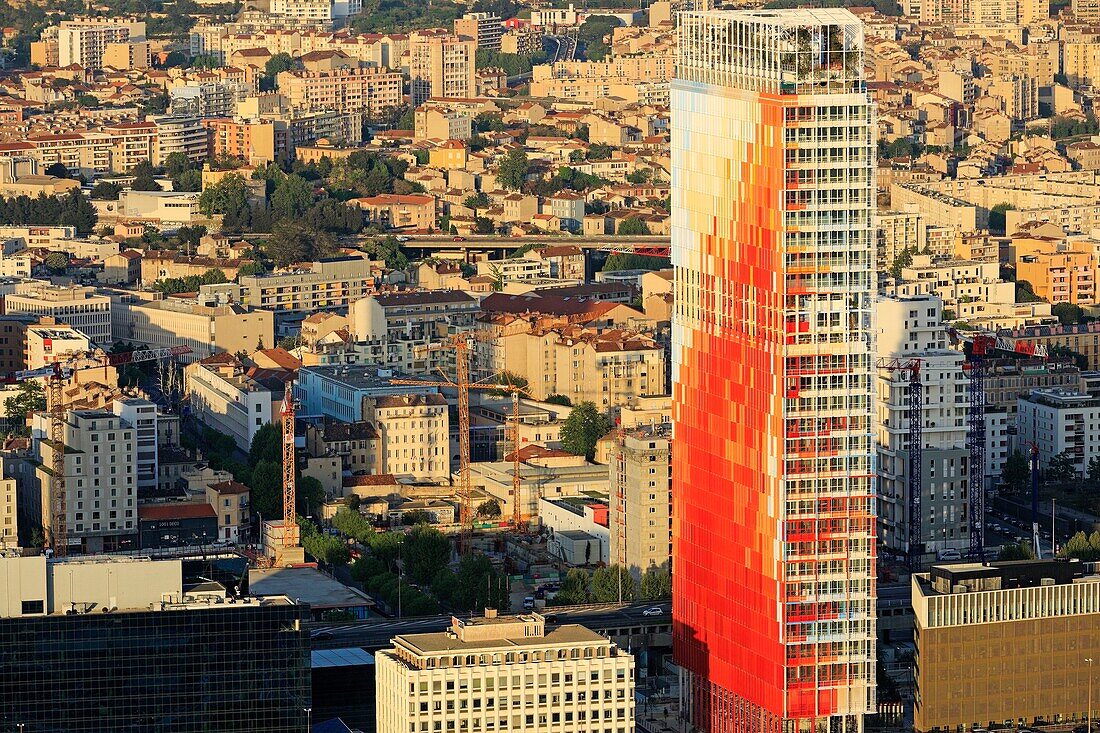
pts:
[773, 530]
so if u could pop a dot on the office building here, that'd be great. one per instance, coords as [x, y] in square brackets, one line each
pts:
[1028, 632]
[774, 525]
[83, 41]
[505, 673]
[640, 519]
[485, 28]
[440, 66]
[911, 329]
[100, 479]
[116, 644]
[1060, 421]
[80, 307]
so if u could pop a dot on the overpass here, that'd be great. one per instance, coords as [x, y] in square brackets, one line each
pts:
[423, 245]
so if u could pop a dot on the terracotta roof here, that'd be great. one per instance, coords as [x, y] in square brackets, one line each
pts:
[382, 479]
[230, 487]
[528, 452]
[282, 357]
[410, 400]
[153, 512]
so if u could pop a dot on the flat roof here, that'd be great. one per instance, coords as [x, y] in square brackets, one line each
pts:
[442, 641]
[352, 657]
[307, 585]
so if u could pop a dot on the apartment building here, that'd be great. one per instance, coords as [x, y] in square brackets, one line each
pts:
[911, 328]
[329, 283]
[485, 28]
[83, 308]
[127, 56]
[208, 328]
[640, 498]
[207, 99]
[1084, 338]
[399, 211]
[100, 450]
[1006, 380]
[398, 328]
[232, 399]
[141, 415]
[179, 135]
[355, 443]
[956, 281]
[1007, 619]
[347, 392]
[897, 231]
[413, 436]
[431, 122]
[1060, 421]
[520, 41]
[326, 13]
[50, 344]
[505, 673]
[83, 41]
[1060, 270]
[9, 515]
[441, 66]
[230, 500]
[372, 90]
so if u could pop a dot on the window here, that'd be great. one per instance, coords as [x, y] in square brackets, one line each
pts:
[33, 607]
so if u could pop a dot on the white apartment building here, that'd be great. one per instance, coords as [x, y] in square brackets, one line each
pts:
[82, 41]
[486, 28]
[100, 479]
[330, 283]
[207, 99]
[142, 416]
[910, 328]
[514, 269]
[225, 398]
[640, 497]
[1060, 421]
[53, 344]
[441, 65]
[179, 135]
[80, 307]
[956, 281]
[414, 436]
[505, 674]
[328, 12]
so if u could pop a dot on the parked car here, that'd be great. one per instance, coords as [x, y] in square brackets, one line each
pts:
[949, 554]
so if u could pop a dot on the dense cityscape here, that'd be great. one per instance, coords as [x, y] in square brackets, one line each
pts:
[606, 366]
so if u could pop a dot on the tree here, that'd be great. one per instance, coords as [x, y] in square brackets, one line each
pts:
[559, 399]
[1016, 473]
[276, 65]
[489, 508]
[251, 268]
[1078, 546]
[56, 261]
[227, 196]
[292, 198]
[78, 212]
[106, 191]
[309, 494]
[267, 488]
[176, 163]
[388, 249]
[1061, 468]
[903, 260]
[1013, 551]
[352, 502]
[1094, 469]
[632, 226]
[1065, 353]
[145, 182]
[656, 585]
[189, 181]
[513, 170]
[57, 170]
[30, 398]
[1068, 313]
[612, 584]
[477, 201]
[598, 151]
[414, 517]
[624, 261]
[426, 551]
[997, 217]
[292, 242]
[584, 426]
[574, 589]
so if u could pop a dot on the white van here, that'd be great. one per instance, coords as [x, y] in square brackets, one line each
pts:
[949, 554]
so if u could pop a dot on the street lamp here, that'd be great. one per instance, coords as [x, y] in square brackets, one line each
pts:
[1088, 720]
[309, 719]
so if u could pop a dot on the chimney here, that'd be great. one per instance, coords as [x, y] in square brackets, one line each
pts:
[490, 613]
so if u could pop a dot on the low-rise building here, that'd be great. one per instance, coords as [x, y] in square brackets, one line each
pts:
[568, 678]
[577, 518]
[54, 344]
[1007, 619]
[230, 501]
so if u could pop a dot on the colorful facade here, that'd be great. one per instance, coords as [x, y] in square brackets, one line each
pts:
[773, 528]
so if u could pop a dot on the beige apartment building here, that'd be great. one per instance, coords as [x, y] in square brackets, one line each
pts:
[226, 397]
[414, 436]
[640, 517]
[372, 90]
[507, 673]
[207, 328]
[83, 41]
[50, 344]
[230, 500]
[100, 479]
[83, 308]
[9, 515]
[441, 65]
[330, 283]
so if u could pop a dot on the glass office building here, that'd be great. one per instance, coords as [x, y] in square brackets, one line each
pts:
[213, 667]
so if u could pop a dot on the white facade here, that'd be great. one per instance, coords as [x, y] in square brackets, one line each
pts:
[1060, 421]
[142, 415]
[226, 399]
[574, 515]
[53, 344]
[83, 41]
[79, 307]
[330, 12]
[505, 674]
[912, 329]
[414, 431]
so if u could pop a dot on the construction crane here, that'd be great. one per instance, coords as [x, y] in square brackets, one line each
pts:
[56, 375]
[1036, 538]
[460, 343]
[290, 524]
[658, 248]
[915, 390]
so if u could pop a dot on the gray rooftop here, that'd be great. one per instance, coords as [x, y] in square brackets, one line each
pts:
[307, 585]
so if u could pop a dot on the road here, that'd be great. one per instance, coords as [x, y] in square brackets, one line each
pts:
[377, 633]
[492, 242]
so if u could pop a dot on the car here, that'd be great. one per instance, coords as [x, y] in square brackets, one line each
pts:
[551, 619]
[458, 239]
[528, 603]
[653, 611]
[949, 554]
[321, 636]
[402, 238]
